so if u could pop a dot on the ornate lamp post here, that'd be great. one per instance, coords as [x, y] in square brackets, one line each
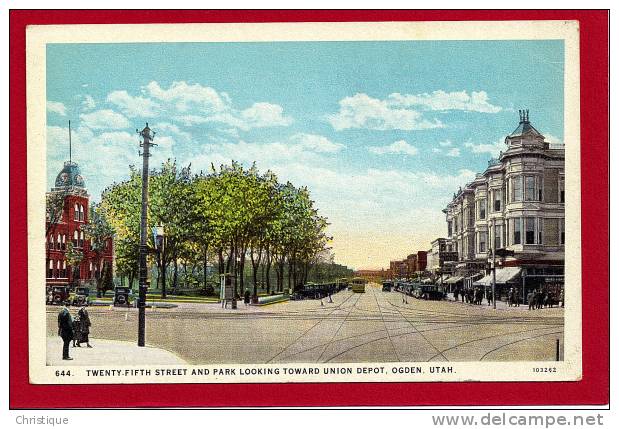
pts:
[147, 138]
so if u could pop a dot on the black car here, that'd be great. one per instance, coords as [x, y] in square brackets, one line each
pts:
[81, 297]
[387, 286]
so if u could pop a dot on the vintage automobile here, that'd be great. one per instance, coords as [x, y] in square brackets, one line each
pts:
[387, 286]
[427, 291]
[81, 297]
[58, 295]
[122, 295]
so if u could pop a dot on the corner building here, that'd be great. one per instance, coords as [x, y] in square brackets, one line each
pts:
[69, 227]
[517, 204]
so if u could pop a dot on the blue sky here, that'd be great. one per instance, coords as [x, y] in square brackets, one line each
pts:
[382, 133]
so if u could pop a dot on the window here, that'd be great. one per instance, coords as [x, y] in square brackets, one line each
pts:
[59, 242]
[76, 212]
[50, 242]
[483, 237]
[81, 213]
[529, 230]
[561, 189]
[90, 270]
[517, 231]
[75, 239]
[50, 269]
[517, 186]
[482, 208]
[497, 200]
[81, 240]
[471, 216]
[529, 188]
[449, 228]
[64, 242]
[540, 229]
[58, 271]
[497, 236]
[562, 227]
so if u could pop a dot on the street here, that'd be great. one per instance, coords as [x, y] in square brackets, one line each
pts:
[375, 326]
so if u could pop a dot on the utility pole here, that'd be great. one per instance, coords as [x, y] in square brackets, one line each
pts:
[147, 136]
[493, 278]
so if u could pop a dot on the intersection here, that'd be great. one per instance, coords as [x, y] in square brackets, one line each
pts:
[375, 326]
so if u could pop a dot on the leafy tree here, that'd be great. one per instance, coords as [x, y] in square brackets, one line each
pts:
[74, 258]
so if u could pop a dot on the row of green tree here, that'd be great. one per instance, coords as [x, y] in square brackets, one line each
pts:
[231, 217]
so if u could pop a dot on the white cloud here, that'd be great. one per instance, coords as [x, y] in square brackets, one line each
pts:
[265, 115]
[445, 143]
[316, 143]
[441, 100]
[56, 107]
[133, 106]
[400, 146]
[88, 103]
[491, 148]
[453, 152]
[104, 119]
[363, 111]
[552, 139]
[188, 97]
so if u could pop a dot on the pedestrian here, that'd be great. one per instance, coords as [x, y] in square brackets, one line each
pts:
[246, 297]
[562, 299]
[84, 327]
[531, 300]
[489, 297]
[65, 330]
[76, 330]
[456, 291]
[50, 297]
[517, 297]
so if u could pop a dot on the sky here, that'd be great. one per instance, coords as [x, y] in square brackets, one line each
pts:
[382, 133]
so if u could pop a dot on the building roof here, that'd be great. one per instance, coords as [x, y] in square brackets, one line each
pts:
[70, 176]
[525, 127]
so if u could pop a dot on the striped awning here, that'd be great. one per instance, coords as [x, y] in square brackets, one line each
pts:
[453, 280]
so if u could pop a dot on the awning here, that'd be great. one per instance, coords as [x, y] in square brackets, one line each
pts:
[503, 275]
[426, 281]
[453, 280]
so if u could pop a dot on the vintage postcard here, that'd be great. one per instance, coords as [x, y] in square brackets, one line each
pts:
[304, 202]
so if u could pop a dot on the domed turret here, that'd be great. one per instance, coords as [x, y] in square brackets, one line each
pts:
[69, 177]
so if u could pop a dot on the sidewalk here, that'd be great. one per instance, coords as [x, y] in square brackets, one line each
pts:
[108, 352]
[500, 305]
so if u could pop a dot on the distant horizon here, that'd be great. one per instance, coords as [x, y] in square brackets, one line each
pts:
[381, 133]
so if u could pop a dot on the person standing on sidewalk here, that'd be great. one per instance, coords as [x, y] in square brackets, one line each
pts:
[65, 330]
[84, 326]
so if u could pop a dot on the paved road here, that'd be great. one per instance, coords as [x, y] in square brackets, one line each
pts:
[372, 327]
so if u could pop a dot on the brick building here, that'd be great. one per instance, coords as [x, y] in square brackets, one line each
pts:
[65, 224]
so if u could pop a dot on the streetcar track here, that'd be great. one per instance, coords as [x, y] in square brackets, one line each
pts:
[519, 341]
[308, 330]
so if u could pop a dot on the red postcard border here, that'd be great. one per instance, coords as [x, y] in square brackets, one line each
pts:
[593, 389]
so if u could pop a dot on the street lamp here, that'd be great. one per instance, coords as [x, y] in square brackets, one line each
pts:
[159, 240]
[147, 138]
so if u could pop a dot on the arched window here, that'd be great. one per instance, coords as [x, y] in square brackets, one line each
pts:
[59, 242]
[81, 213]
[81, 238]
[75, 239]
[58, 269]
[64, 242]
[90, 270]
[50, 242]
[76, 212]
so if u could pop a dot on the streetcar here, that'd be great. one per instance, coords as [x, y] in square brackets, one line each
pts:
[429, 292]
[358, 285]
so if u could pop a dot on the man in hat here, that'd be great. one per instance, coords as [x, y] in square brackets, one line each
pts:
[65, 330]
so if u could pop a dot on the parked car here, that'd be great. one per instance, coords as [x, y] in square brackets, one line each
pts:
[59, 294]
[82, 296]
